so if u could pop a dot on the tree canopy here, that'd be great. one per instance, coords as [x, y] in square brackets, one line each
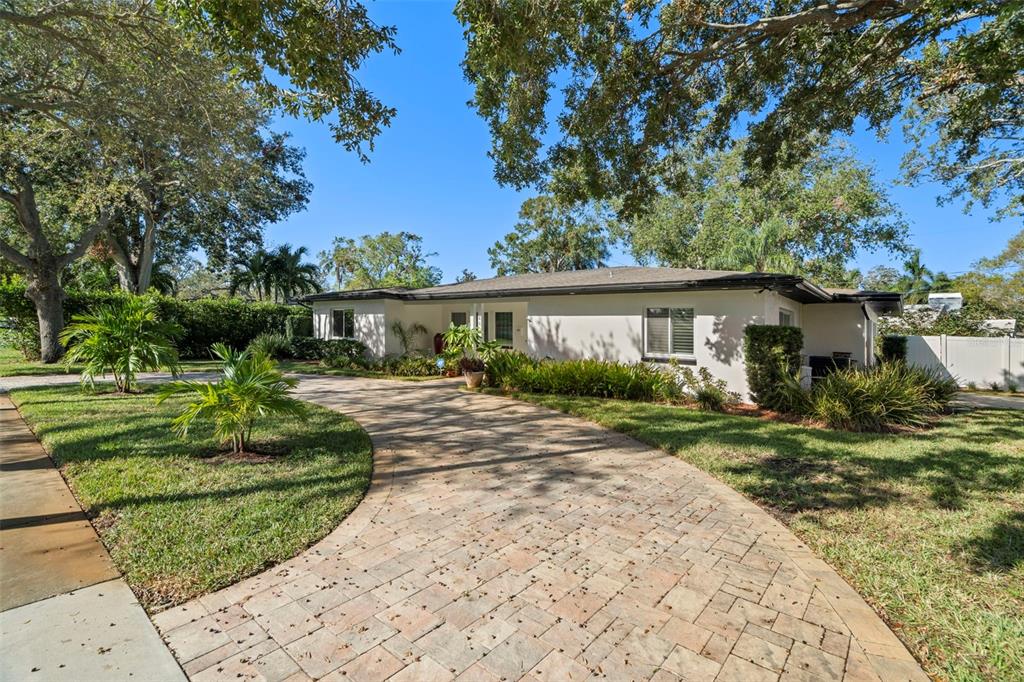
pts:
[299, 57]
[807, 219]
[389, 259]
[551, 237]
[118, 125]
[637, 80]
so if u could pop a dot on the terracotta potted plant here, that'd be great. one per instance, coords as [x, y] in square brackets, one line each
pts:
[462, 340]
[473, 371]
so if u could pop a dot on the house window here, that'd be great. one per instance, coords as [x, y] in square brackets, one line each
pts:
[459, 319]
[669, 331]
[343, 323]
[503, 328]
[785, 317]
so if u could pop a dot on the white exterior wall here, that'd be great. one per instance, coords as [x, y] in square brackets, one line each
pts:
[610, 326]
[370, 326]
[838, 327]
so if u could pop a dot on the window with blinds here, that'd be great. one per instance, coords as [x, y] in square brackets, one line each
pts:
[669, 331]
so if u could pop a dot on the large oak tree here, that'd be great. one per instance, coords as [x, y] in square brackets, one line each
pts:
[115, 124]
[633, 81]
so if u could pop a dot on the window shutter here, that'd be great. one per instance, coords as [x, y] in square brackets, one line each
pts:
[682, 331]
[657, 331]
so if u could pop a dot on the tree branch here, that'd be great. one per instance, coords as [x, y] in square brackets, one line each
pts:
[86, 240]
[17, 258]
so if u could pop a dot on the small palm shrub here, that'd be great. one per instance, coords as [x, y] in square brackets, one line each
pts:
[406, 335]
[276, 346]
[880, 398]
[709, 393]
[250, 388]
[124, 337]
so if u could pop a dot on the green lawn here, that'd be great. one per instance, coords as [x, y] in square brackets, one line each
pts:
[928, 526]
[179, 518]
[13, 364]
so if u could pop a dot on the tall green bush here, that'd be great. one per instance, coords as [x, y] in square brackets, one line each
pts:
[204, 322]
[893, 348]
[771, 352]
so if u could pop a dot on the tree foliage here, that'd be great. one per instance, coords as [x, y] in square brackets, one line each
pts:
[115, 123]
[639, 79]
[299, 57]
[552, 237]
[807, 219]
[389, 259]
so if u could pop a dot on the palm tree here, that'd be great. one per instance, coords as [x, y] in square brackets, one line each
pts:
[917, 280]
[254, 274]
[292, 277]
[760, 250]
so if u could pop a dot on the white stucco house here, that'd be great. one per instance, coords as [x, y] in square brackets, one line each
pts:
[625, 314]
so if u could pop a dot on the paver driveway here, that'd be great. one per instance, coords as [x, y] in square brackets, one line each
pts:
[500, 540]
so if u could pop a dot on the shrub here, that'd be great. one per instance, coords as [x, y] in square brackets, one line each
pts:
[203, 322]
[771, 353]
[893, 349]
[275, 346]
[410, 366]
[251, 388]
[708, 392]
[879, 398]
[406, 335]
[502, 365]
[299, 325]
[589, 378]
[125, 338]
[329, 351]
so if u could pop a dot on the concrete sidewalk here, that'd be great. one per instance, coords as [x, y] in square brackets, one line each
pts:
[65, 611]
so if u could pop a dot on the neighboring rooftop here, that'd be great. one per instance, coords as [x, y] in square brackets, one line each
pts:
[612, 280]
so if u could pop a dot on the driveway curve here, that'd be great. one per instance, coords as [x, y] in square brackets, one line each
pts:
[504, 541]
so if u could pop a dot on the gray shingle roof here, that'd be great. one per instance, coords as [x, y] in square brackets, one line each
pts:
[616, 279]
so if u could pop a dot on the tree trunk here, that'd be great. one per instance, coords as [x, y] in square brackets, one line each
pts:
[46, 292]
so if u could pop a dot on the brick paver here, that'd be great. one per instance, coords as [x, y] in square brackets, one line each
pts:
[500, 540]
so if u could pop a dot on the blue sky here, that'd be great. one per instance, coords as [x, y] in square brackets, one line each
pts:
[430, 174]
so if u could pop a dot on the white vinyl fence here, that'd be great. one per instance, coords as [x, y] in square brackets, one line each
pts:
[971, 359]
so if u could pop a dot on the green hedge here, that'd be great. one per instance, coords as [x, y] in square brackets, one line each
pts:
[770, 350]
[893, 349]
[205, 321]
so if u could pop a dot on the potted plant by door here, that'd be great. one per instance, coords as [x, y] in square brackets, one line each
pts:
[462, 340]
